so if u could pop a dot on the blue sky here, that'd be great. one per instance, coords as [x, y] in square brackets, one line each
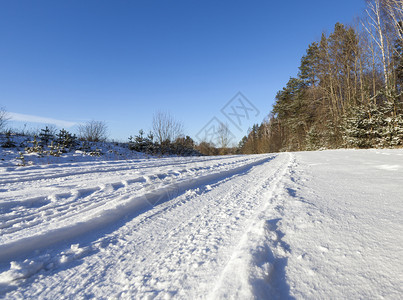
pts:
[68, 62]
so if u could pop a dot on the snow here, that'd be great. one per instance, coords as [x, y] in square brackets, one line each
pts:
[323, 224]
[349, 233]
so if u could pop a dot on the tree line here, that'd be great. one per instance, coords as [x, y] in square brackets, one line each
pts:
[166, 137]
[347, 93]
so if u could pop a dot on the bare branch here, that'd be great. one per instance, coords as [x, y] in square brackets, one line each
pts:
[93, 131]
[166, 128]
[4, 117]
[224, 135]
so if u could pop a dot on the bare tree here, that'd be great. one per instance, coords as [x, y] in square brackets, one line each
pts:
[4, 117]
[166, 128]
[223, 136]
[93, 131]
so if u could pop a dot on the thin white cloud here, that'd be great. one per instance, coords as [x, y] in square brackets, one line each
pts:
[38, 119]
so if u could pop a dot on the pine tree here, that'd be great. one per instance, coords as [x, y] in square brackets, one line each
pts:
[308, 70]
[9, 143]
[66, 140]
[45, 136]
[140, 143]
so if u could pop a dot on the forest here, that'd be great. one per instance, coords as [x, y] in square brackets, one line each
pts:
[348, 92]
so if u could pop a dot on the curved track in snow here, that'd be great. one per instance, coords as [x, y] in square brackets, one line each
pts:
[86, 201]
[239, 227]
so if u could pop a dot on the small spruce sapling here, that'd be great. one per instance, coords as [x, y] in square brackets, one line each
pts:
[45, 136]
[22, 159]
[9, 143]
[66, 140]
[36, 147]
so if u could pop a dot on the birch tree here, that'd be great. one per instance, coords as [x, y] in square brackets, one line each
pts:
[374, 25]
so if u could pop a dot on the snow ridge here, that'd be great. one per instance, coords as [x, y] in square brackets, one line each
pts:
[249, 271]
[99, 215]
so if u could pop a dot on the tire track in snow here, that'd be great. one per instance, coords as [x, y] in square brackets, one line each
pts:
[30, 173]
[171, 253]
[186, 235]
[249, 272]
[71, 203]
[124, 205]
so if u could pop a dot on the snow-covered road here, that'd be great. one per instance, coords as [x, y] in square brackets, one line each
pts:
[306, 225]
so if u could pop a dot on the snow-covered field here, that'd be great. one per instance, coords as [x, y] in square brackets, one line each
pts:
[306, 225]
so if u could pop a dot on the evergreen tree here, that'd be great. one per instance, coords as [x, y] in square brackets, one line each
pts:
[45, 136]
[141, 143]
[308, 70]
[66, 140]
